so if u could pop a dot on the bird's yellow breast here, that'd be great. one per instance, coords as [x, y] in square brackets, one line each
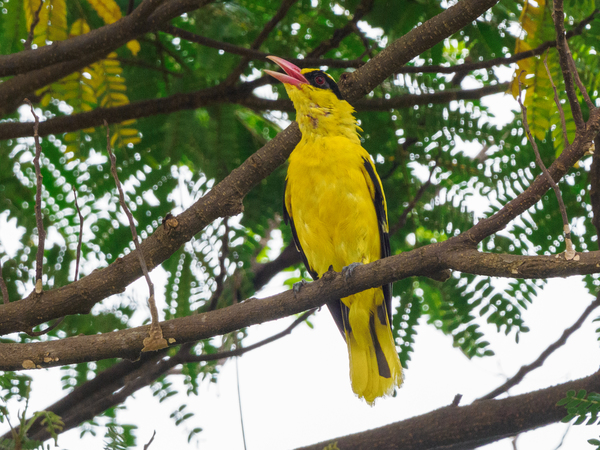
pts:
[330, 198]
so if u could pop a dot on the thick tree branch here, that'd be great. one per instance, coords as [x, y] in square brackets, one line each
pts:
[431, 260]
[468, 427]
[152, 14]
[206, 97]
[148, 16]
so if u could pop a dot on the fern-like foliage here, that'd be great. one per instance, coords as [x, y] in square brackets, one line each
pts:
[52, 23]
[581, 407]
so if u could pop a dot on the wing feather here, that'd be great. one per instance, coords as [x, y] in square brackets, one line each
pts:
[382, 220]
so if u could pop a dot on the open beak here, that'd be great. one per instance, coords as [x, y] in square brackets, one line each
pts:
[293, 77]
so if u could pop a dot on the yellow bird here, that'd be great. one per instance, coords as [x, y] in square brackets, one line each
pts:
[336, 208]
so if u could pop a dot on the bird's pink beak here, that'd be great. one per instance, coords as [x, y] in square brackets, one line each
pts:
[294, 75]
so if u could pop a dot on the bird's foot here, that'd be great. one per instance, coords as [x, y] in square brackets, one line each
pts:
[349, 269]
[298, 286]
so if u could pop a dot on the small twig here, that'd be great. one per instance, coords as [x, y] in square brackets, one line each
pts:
[237, 381]
[36, 20]
[241, 350]
[147, 65]
[456, 400]
[558, 15]
[580, 85]
[364, 39]
[80, 235]
[562, 440]
[595, 188]
[3, 287]
[212, 303]
[516, 379]
[130, 8]
[153, 434]
[47, 330]
[569, 250]
[402, 220]
[262, 36]
[557, 101]
[155, 341]
[39, 260]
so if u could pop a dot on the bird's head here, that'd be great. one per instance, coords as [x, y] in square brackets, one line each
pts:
[320, 107]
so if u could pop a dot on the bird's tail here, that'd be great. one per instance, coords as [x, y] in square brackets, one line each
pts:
[374, 364]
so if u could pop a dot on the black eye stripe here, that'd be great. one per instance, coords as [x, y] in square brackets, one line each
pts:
[321, 80]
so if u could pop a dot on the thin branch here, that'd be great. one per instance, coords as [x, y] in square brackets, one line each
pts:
[264, 272]
[518, 377]
[39, 260]
[147, 65]
[501, 61]
[241, 350]
[257, 54]
[56, 323]
[595, 188]
[569, 250]
[363, 8]
[80, 238]
[580, 85]
[155, 341]
[149, 15]
[3, 288]
[561, 112]
[211, 96]
[153, 434]
[262, 36]
[402, 220]
[558, 15]
[36, 20]
[219, 279]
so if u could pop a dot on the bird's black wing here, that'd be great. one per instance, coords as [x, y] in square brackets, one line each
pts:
[384, 237]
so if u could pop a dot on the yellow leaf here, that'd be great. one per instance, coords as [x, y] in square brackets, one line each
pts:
[134, 47]
[108, 10]
[45, 101]
[128, 131]
[113, 139]
[132, 140]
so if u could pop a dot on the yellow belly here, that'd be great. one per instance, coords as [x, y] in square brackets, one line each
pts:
[331, 204]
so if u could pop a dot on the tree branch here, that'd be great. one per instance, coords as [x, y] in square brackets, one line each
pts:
[115, 384]
[257, 54]
[206, 97]
[431, 260]
[467, 427]
[518, 377]
[152, 14]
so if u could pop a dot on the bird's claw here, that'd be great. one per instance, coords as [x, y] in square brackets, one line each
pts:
[298, 286]
[349, 269]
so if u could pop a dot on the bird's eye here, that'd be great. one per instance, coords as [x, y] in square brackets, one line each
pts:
[320, 80]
